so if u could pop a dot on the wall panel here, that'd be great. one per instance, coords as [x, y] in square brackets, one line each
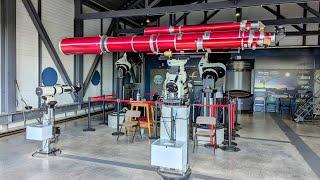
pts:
[57, 18]
[27, 57]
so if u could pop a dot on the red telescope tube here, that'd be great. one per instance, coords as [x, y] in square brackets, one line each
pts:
[81, 45]
[238, 26]
[165, 42]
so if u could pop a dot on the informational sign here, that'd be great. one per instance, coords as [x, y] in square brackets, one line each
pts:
[278, 84]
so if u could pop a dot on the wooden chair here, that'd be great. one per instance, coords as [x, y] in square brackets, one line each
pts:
[148, 110]
[131, 121]
[210, 133]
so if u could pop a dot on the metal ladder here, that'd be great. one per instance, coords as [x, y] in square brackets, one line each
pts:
[311, 106]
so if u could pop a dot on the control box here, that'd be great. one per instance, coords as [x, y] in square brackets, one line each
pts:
[39, 132]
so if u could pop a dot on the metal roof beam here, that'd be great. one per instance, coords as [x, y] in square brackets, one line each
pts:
[273, 22]
[291, 21]
[185, 8]
[154, 3]
[281, 17]
[210, 16]
[308, 8]
[303, 33]
[182, 17]
[97, 7]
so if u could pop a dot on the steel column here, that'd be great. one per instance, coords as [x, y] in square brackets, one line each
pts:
[205, 13]
[39, 53]
[319, 28]
[78, 59]
[8, 56]
[101, 61]
[47, 42]
[278, 17]
[304, 26]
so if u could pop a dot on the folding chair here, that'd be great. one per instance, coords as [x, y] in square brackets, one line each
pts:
[199, 130]
[131, 121]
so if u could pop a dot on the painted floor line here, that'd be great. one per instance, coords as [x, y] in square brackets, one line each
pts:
[262, 139]
[309, 136]
[306, 152]
[130, 165]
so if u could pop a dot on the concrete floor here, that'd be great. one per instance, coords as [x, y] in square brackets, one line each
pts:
[266, 153]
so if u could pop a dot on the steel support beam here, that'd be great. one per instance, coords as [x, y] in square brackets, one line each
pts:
[281, 17]
[278, 17]
[182, 17]
[100, 8]
[291, 21]
[210, 16]
[273, 22]
[101, 60]
[185, 8]
[205, 13]
[8, 55]
[304, 26]
[135, 4]
[308, 8]
[303, 33]
[91, 72]
[39, 53]
[154, 3]
[37, 113]
[319, 28]
[47, 42]
[78, 59]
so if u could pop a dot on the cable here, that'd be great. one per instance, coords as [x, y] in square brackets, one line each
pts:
[19, 91]
[26, 105]
[166, 126]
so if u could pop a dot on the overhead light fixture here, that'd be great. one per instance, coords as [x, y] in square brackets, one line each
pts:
[148, 20]
[287, 74]
[238, 12]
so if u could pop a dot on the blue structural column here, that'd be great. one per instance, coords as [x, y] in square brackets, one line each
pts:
[8, 55]
[78, 59]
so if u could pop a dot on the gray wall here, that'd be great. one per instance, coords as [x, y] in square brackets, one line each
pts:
[285, 62]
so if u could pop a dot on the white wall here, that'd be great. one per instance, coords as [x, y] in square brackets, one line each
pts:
[92, 28]
[27, 56]
[107, 65]
[284, 62]
[58, 20]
